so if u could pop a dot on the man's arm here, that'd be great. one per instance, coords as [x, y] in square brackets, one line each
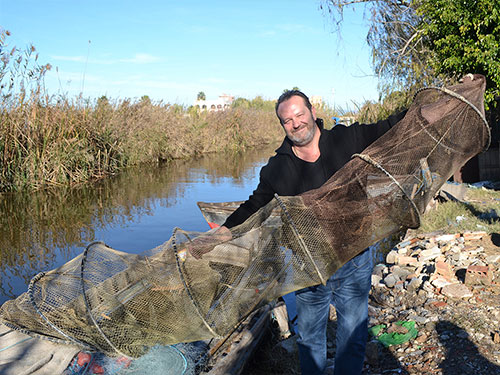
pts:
[206, 242]
[366, 134]
[260, 197]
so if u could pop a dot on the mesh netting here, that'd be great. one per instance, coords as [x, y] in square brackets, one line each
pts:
[120, 303]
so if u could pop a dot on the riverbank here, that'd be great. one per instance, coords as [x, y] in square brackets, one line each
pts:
[67, 143]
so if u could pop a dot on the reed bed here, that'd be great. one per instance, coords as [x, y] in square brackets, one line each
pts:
[64, 143]
[57, 141]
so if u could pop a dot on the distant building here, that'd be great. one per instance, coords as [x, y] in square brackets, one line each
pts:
[223, 102]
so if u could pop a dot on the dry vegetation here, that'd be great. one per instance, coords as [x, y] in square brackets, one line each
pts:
[44, 143]
[51, 141]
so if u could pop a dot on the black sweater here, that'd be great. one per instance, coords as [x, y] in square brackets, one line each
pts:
[286, 174]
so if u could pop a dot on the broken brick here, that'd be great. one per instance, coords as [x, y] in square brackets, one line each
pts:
[471, 236]
[444, 269]
[478, 275]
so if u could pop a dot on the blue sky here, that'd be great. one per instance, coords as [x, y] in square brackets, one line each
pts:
[171, 50]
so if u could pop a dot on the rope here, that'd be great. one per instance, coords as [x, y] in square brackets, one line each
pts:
[87, 305]
[179, 268]
[16, 343]
[183, 357]
[35, 335]
[460, 97]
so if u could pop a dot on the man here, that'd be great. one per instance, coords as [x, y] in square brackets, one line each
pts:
[307, 158]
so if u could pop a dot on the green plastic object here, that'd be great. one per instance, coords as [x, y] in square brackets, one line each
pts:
[394, 338]
[375, 330]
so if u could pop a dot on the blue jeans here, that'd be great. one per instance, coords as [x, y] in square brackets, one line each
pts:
[348, 291]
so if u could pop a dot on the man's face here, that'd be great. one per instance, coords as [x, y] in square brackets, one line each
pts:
[297, 120]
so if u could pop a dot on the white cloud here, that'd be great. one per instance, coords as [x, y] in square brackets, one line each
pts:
[138, 58]
[142, 58]
[267, 33]
[69, 58]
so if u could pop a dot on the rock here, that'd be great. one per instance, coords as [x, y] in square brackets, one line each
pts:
[400, 272]
[429, 254]
[471, 236]
[397, 328]
[438, 304]
[422, 285]
[478, 275]
[391, 280]
[391, 257]
[440, 282]
[475, 251]
[380, 269]
[496, 337]
[447, 237]
[444, 269]
[376, 280]
[422, 338]
[399, 286]
[332, 315]
[418, 319]
[456, 291]
[414, 284]
[373, 311]
[403, 251]
[407, 261]
[493, 259]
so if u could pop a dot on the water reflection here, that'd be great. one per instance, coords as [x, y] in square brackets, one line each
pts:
[133, 212]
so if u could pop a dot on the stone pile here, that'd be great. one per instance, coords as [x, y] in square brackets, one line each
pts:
[449, 284]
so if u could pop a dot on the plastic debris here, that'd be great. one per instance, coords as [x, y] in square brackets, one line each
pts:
[397, 336]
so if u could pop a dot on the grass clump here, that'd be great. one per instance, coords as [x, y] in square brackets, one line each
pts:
[479, 212]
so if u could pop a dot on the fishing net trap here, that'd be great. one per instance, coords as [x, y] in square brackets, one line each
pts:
[123, 304]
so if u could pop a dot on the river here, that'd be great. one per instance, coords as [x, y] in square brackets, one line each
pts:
[133, 211]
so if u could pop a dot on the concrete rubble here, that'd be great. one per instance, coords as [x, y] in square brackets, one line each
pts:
[449, 285]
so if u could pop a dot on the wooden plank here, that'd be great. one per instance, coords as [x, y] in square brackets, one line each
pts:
[241, 346]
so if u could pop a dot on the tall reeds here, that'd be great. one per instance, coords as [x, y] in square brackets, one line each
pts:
[51, 141]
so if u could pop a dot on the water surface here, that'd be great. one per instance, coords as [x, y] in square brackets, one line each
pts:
[133, 211]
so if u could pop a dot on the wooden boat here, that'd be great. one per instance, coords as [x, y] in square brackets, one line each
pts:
[216, 213]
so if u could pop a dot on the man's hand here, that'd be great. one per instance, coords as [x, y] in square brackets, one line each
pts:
[206, 242]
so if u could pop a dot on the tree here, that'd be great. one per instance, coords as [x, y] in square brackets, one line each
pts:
[145, 99]
[201, 96]
[294, 88]
[240, 103]
[464, 36]
[423, 42]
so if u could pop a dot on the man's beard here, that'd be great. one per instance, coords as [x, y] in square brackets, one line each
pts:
[303, 139]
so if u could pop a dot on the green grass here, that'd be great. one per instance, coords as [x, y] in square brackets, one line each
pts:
[472, 215]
